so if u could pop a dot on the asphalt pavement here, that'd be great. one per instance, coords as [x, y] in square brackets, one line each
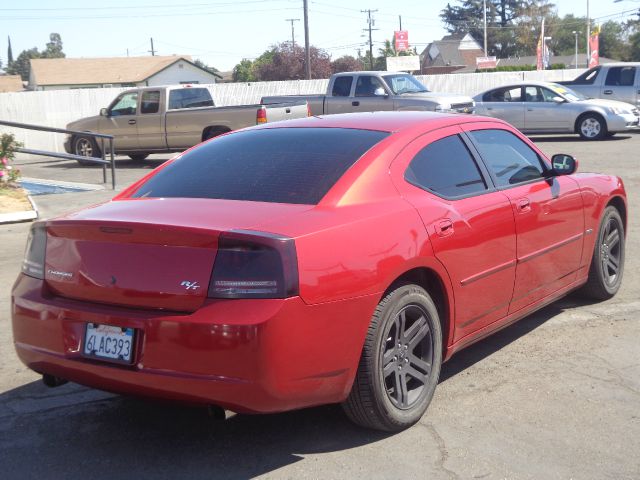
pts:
[555, 396]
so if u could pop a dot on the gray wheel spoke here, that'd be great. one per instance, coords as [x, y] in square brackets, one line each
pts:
[419, 364]
[612, 239]
[402, 393]
[612, 263]
[389, 368]
[415, 330]
[419, 335]
[421, 377]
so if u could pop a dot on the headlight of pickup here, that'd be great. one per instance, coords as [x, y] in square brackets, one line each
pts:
[619, 110]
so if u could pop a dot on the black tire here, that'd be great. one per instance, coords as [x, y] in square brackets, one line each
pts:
[400, 363]
[86, 147]
[213, 132]
[138, 157]
[591, 126]
[607, 263]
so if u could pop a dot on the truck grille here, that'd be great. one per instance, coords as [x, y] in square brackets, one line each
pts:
[463, 107]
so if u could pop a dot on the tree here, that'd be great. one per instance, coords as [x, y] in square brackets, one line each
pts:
[53, 48]
[244, 71]
[346, 63]
[613, 41]
[9, 52]
[22, 65]
[287, 63]
[206, 67]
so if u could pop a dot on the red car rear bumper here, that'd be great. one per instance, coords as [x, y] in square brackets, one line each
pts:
[244, 355]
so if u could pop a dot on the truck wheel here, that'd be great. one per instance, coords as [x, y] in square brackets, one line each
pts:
[138, 157]
[213, 132]
[400, 363]
[592, 126]
[607, 263]
[86, 147]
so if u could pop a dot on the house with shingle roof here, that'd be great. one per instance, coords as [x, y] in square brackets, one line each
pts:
[67, 73]
[454, 53]
[10, 83]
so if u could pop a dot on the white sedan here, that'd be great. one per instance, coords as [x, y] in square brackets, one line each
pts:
[543, 107]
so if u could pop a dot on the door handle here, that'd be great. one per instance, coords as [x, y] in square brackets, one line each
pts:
[489, 108]
[355, 103]
[132, 122]
[287, 110]
[529, 109]
[608, 92]
[444, 228]
[524, 205]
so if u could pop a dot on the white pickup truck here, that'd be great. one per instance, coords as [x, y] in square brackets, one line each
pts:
[614, 81]
[169, 119]
[375, 91]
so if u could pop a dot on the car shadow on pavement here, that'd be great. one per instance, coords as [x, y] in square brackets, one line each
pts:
[75, 432]
[573, 138]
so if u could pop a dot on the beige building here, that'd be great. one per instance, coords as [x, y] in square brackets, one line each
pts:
[67, 73]
[10, 83]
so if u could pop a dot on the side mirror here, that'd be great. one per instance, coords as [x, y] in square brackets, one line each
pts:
[104, 112]
[379, 92]
[558, 99]
[563, 164]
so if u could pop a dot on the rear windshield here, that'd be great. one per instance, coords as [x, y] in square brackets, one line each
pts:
[281, 165]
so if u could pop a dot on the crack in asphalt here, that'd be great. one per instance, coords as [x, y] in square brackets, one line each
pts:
[442, 449]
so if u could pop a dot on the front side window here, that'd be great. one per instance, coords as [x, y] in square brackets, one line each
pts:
[342, 86]
[446, 168]
[533, 94]
[125, 104]
[509, 159]
[367, 85]
[621, 76]
[150, 102]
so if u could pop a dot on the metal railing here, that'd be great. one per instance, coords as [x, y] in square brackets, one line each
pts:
[67, 156]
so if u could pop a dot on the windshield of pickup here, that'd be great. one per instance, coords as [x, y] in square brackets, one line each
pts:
[400, 84]
[567, 93]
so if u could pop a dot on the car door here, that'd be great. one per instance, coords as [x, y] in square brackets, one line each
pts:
[620, 84]
[505, 104]
[548, 213]
[340, 99]
[149, 121]
[543, 114]
[364, 98]
[120, 121]
[470, 224]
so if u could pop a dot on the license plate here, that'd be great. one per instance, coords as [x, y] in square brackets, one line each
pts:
[108, 342]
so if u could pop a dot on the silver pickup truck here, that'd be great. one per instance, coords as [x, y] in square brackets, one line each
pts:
[169, 119]
[375, 91]
[615, 81]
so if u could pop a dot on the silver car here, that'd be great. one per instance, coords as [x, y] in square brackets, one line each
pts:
[543, 107]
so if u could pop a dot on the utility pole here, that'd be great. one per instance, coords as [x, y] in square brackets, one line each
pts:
[371, 23]
[293, 37]
[484, 11]
[400, 20]
[153, 52]
[588, 35]
[307, 52]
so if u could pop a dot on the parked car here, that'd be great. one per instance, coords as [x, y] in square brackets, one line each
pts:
[615, 81]
[169, 119]
[378, 91]
[543, 107]
[324, 260]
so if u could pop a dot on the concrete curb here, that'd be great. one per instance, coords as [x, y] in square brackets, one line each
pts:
[23, 216]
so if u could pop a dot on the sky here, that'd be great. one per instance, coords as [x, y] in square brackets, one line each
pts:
[223, 32]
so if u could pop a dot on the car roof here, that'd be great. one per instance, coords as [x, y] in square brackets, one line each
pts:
[380, 121]
[369, 72]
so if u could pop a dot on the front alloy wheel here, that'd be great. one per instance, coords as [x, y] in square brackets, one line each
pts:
[592, 127]
[400, 362]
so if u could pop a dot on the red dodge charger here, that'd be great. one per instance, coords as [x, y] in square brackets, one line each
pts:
[322, 260]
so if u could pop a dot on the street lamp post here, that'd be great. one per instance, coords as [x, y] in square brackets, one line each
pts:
[576, 35]
[588, 35]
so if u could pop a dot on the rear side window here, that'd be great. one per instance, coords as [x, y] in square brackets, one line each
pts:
[510, 94]
[446, 168]
[509, 159]
[342, 86]
[281, 165]
[621, 76]
[190, 98]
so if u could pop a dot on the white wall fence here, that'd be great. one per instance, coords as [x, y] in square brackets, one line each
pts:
[56, 108]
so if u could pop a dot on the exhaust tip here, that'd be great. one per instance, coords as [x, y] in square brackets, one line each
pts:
[51, 381]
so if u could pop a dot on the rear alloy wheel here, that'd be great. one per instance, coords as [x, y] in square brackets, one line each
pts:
[607, 264]
[592, 127]
[86, 147]
[400, 363]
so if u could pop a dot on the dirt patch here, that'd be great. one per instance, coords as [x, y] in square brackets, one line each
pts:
[14, 200]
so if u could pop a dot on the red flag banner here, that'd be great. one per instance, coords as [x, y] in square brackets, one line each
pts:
[402, 40]
[594, 46]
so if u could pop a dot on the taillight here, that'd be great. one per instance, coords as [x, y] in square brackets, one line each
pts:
[308, 110]
[254, 265]
[261, 115]
[33, 263]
